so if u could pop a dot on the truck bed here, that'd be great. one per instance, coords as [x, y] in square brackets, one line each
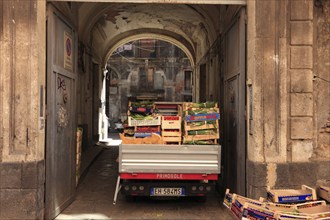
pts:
[149, 158]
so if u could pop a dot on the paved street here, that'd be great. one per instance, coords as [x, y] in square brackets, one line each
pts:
[95, 196]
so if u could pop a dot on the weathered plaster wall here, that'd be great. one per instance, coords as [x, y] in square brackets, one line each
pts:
[22, 108]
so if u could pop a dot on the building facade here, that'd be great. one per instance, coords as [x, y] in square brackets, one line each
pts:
[282, 66]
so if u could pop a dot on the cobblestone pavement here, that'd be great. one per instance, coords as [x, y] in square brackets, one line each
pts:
[95, 194]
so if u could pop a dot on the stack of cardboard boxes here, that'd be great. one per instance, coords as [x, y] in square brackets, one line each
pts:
[281, 204]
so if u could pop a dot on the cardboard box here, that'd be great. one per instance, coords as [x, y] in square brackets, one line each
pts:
[291, 195]
[324, 192]
[286, 216]
[251, 211]
[316, 210]
[277, 207]
[238, 204]
[228, 199]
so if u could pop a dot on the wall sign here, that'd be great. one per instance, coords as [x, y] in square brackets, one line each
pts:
[68, 53]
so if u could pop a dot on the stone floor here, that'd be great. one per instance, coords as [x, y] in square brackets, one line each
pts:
[94, 199]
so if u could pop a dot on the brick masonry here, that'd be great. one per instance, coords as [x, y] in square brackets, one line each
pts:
[22, 190]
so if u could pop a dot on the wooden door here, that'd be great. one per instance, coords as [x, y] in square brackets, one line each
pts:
[234, 106]
[61, 113]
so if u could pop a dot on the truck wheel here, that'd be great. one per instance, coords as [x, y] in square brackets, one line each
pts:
[130, 198]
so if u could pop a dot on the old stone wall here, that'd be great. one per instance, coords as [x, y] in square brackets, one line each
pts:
[321, 80]
[288, 48]
[22, 104]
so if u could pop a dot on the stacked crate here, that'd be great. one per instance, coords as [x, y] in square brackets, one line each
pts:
[171, 129]
[171, 113]
[145, 122]
[201, 123]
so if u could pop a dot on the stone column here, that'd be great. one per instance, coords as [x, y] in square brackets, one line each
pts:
[267, 92]
[301, 84]
[22, 104]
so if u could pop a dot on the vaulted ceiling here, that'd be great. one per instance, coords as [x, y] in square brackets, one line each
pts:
[104, 26]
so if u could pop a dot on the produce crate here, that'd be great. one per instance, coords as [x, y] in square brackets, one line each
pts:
[251, 211]
[238, 204]
[202, 117]
[287, 216]
[324, 192]
[228, 198]
[147, 129]
[278, 207]
[167, 133]
[172, 139]
[144, 134]
[192, 127]
[191, 105]
[169, 108]
[317, 209]
[171, 122]
[291, 195]
[144, 122]
[201, 137]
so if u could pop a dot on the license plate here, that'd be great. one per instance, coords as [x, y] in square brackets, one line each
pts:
[167, 191]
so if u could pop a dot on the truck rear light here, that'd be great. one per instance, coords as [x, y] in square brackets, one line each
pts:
[134, 188]
[208, 188]
[141, 188]
[201, 188]
[193, 188]
[126, 188]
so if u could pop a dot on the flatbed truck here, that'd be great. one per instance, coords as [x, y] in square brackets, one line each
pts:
[157, 170]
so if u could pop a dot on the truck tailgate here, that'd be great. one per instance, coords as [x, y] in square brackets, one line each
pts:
[144, 158]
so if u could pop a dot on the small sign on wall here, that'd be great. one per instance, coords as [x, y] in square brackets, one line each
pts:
[68, 51]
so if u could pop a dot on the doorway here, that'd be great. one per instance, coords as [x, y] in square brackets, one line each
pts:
[104, 29]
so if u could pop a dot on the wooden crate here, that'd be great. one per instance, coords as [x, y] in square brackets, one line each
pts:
[189, 127]
[146, 122]
[202, 117]
[201, 137]
[147, 129]
[166, 133]
[169, 108]
[172, 139]
[171, 122]
[188, 105]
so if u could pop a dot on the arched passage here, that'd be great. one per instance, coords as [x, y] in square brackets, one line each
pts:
[178, 41]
